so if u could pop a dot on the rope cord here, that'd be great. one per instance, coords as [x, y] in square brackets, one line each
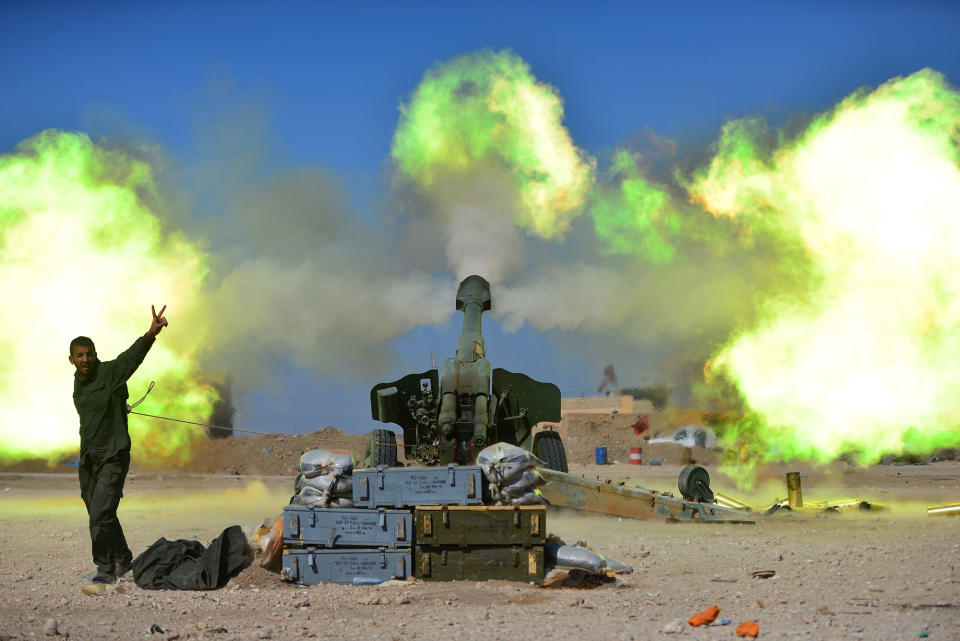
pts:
[220, 427]
[149, 389]
[237, 429]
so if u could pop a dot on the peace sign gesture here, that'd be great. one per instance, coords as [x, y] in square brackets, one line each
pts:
[159, 321]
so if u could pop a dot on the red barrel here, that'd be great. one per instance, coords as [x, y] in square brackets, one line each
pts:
[636, 455]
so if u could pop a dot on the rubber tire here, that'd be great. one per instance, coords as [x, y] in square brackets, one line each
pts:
[690, 489]
[382, 449]
[548, 447]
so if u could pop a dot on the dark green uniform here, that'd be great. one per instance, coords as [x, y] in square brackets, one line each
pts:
[101, 402]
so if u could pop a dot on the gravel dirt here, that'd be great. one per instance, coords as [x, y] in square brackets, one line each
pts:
[865, 575]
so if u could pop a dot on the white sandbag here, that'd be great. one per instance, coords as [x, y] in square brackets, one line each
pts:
[318, 462]
[336, 485]
[572, 556]
[501, 462]
[617, 566]
[527, 479]
[530, 496]
[310, 497]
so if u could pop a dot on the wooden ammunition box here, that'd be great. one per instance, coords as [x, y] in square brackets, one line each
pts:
[480, 525]
[497, 563]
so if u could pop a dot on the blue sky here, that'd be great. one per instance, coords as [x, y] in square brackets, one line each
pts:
[330, 78]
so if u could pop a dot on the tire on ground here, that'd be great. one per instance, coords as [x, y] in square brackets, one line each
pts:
[548, 447]
[381, 449]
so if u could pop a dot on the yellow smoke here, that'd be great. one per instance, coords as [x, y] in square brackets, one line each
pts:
[869, 362]
[84, 253]
[488, 109]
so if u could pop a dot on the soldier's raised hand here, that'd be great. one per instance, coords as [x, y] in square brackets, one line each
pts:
[159, 321]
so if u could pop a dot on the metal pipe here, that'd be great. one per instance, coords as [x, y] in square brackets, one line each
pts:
[794, 490]
[470, 345]
[732, 503]
[448, 414]
[952, 509]
[480, 421]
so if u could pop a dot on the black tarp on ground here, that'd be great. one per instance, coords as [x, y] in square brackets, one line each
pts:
[187, 565]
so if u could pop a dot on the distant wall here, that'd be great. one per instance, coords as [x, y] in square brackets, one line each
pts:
[603, 421]
[624, 404]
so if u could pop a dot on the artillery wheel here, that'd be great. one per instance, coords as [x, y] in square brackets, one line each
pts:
[381, 449]
[548, 447]
[694, 484]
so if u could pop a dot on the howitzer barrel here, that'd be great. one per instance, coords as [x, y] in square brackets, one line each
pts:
[473, 298]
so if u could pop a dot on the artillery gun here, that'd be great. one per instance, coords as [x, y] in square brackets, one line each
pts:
[448, 416]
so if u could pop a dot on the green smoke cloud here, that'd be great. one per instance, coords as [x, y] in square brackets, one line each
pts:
[487, 109]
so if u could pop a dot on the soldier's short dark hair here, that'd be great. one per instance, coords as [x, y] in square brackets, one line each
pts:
[81, 341]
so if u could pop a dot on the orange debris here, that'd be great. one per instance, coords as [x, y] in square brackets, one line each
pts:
[748, 629]
[704, 618]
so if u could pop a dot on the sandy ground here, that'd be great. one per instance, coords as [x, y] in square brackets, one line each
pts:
[873, 575]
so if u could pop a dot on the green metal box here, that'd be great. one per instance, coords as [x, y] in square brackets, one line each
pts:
[488, 563]
[480, 525]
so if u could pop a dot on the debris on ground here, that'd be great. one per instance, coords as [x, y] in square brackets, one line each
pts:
[674, 627]
[748, 629]
[704, 618]
[580, 579]
[96, 589]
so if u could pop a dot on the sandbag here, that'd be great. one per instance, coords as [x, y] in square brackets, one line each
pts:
[527, 479]
[319, 462]
[617, 567]
[530, 496]
[336, 485]
[312, 497]
[557, 554]
[501, 462]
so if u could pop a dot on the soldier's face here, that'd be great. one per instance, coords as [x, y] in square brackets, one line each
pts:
[84, 358]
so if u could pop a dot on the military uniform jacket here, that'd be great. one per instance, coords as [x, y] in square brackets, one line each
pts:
[101, 402]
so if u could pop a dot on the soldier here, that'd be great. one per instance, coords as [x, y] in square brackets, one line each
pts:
[100, 396]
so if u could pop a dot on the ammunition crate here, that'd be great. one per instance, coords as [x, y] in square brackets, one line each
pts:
[480, 525]
[310, 566]
[497, 563]
[408, 486]
[342, 527]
